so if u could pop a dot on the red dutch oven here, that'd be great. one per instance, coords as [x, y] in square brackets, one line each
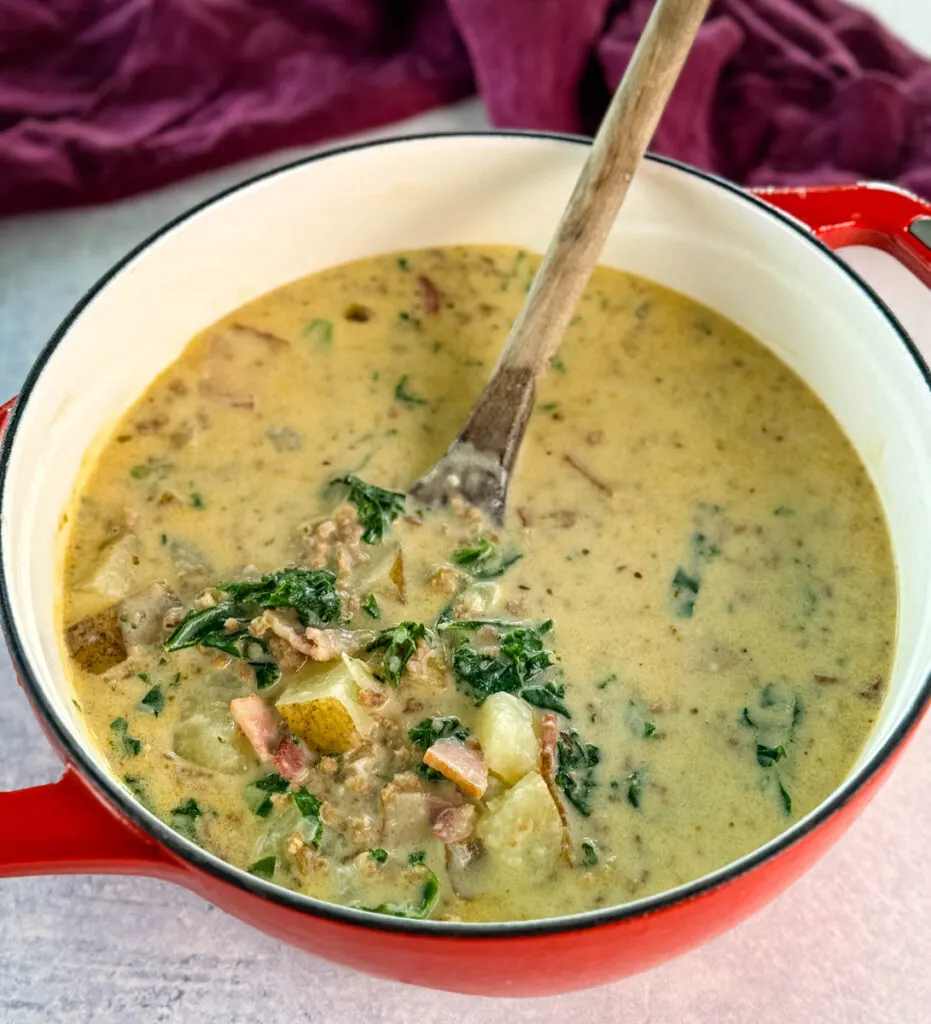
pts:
[764, 260]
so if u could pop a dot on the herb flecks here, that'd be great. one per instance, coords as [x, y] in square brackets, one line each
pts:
[376, 507]
[406, 397]
[319, 331]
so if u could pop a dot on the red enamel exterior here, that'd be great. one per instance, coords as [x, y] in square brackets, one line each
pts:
[68, 827]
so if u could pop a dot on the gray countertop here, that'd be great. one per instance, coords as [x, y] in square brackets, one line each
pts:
[849, 943]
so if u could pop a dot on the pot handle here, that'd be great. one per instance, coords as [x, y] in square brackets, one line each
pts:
[65, 828]
[881, 216]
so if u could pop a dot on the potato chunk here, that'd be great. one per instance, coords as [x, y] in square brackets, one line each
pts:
[325, 710]
[522, 831]
[117, 567]
[206, 737]
[504, 727]
[96, 642]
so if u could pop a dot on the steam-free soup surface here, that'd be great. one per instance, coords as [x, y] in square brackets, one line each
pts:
[674, 649]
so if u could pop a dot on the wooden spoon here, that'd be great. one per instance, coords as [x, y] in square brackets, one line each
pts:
[478, 465]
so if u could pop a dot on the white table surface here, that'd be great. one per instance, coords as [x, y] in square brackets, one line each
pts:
[850, 943]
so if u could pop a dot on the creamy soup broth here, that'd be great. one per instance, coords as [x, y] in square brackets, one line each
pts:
[704, 539]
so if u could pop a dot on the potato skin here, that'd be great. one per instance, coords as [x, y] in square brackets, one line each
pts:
[96, 642]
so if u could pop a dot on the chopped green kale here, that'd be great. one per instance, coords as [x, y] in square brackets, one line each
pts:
[429, 894]
[399, 643]
[153, 701]
[576, 761]
[429, 730]
[128, 744]
[184, 818]
[311, 593]
[370, 607]
[683, 592]
[634, 783]
[309, 806]
[263, 868]
[376, 507]
[766, 757]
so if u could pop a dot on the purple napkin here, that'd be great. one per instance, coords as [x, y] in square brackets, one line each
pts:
[102, 98]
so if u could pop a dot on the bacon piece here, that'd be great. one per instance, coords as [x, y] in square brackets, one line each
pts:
[261, 724]
[549, 737]
[461, 764]
[283, 625]
[291, 761]
[453, 824]
[430, 295]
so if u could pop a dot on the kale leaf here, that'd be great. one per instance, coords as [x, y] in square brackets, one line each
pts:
[429, 730]
[377, 508]
[153, 701]
[184, 818]
[130, 745]
[310, 592]
[548, 696]
[205, 627]
[429, 894]
[400, 643]
[263, 868]
[575, 769]
[483, 560]
[766, 757]
[635, 787]
[309, 806]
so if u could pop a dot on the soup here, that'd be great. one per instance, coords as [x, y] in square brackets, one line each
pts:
[675, 647]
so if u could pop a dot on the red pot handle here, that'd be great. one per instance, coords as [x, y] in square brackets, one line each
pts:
[882, 216]
[65, 828]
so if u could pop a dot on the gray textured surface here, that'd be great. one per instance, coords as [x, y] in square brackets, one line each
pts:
[850, 943]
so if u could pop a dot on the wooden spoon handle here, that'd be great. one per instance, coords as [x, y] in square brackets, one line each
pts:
[619, 146]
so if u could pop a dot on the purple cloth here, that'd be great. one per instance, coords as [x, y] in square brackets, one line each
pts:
[102, 98]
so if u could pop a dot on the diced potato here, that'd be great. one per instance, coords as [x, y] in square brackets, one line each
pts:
[114, 574]
[384, 574]
[325, 711]
[361, 674]
[207, 737]
[522, 830]
[504, 727]
[142, 614]
[96, 642]
[407, 821]
[477, 600]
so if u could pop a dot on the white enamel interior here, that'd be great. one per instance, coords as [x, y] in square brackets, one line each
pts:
[676, 228]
